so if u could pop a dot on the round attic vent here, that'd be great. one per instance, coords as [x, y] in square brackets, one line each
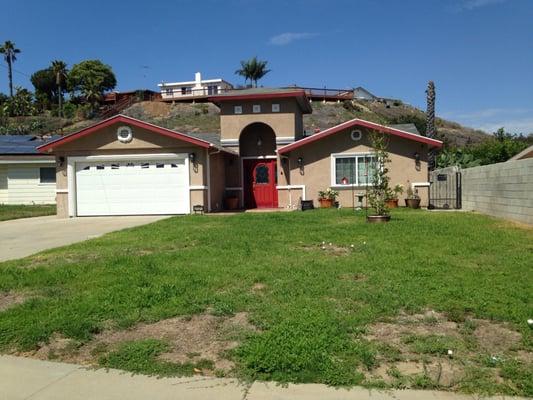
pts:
[356, 135]
[124, 134]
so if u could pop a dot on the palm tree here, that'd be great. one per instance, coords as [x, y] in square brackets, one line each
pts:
[9, 51]
[430, 112]
[92, 92]
[253, 70]
[60, 72]
[430, 120]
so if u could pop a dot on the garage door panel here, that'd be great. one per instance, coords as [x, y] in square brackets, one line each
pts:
[132, 187]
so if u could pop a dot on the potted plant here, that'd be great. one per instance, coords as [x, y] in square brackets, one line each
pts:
[379, 190]
[393, 196]
[413, 199]
[231, 202]
[327, 197]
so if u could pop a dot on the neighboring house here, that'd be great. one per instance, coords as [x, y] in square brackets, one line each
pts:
[360, 93]
[526, 153]
[179, 91]
[26, 176]
[132, 96]
[124, 166]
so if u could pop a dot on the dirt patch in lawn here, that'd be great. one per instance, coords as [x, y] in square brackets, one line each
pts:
[199, 337]
[330, 249]
[429, 345]
[11, 299]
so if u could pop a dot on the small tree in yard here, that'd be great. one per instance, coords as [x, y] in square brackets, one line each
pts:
[379, 191]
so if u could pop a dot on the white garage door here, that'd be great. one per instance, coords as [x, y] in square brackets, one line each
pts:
[132, 187]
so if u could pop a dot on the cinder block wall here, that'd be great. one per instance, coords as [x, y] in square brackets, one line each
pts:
[503, 190]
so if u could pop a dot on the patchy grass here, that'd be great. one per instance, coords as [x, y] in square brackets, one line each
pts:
[142, 357]
[316, 312]
[25, 211]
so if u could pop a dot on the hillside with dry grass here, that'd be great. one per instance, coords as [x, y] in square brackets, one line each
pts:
[204, 118]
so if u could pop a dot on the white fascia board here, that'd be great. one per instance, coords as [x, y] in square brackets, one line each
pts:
[47, 161]
[188, 83]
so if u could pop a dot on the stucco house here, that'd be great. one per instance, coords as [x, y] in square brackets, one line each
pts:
[123, 166]
[197, 89]
[26, 176]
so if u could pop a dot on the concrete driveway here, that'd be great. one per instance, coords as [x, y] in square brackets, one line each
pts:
[23, 237]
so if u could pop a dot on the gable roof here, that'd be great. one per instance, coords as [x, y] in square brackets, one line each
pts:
[22, 144]
[264, 94]
[364, 124]
[130, 121]
[526, 153]
[411, 128]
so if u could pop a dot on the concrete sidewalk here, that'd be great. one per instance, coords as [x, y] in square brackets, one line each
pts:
[26, 236]
[24, 378]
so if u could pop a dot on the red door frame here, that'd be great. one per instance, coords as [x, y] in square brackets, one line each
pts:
[263, 195]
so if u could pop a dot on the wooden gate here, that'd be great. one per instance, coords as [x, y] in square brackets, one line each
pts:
[445, 188]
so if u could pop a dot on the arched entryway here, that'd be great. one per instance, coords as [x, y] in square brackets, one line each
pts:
[257, 147]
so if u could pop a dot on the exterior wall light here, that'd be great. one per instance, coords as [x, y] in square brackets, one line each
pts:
[300, 162]
[192, 157]
[259, 141]
[61, 161]
[417, 157]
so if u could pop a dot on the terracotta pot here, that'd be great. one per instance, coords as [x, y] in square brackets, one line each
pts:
[412, 203]
[392, 203]
[325, 203]
[377, 219]
[231, 203]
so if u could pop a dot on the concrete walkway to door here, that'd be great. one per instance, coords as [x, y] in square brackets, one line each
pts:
[25, 379]
[26, 236]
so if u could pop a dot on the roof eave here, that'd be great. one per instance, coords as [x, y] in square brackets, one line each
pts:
[48, 147]
[359, 122]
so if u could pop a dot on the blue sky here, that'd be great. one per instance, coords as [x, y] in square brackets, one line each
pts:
[478, 52]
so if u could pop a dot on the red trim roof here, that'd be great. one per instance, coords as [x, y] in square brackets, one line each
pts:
[126, 120]
[300, 93]
[362, 123]
[254, 96]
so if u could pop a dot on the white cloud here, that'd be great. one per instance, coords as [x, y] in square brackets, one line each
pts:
[286, 38]
[473, 4]
[514, 120]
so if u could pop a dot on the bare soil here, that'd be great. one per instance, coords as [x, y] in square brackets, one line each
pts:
[193, 338]
[475, 338]
[11, 299]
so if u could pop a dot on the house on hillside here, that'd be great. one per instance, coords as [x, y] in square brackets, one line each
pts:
[261, 159]
[26, 176]
[197, 89]
[360, 93]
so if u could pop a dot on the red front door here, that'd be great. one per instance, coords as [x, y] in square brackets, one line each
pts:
[260, 184]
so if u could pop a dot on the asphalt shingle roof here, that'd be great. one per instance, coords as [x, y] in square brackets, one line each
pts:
[411, 128]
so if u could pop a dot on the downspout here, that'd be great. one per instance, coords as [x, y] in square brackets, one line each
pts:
[281, 157]
[208, 164]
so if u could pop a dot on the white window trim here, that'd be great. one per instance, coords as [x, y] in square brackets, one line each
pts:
[334, 157]
[256, 108]
[235, 108]
[71, 171]
[276, 108]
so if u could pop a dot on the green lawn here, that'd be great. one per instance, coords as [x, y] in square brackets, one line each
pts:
[25, 211]
[316, 307]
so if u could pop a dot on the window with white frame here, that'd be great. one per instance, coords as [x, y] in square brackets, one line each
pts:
[275, 107]
[353, 169]
[256, 108]
[237, 109]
